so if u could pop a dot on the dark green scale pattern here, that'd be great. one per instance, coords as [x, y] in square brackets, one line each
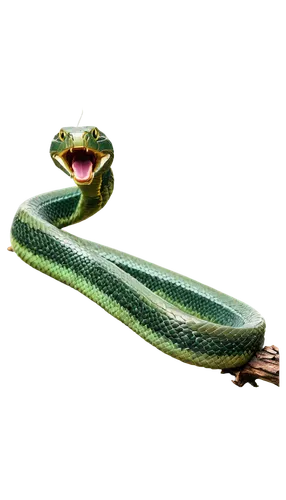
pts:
[64, 211]
[98, 271]
[107, 186]
[175, 292]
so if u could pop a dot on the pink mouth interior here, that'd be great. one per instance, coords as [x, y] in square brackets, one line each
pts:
[82, 169]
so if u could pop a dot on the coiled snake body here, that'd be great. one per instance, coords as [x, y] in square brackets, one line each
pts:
[179, 316]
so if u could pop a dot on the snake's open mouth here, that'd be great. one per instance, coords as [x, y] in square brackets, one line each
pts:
[82, 163]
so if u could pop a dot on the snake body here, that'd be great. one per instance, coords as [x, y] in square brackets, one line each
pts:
[183, 318]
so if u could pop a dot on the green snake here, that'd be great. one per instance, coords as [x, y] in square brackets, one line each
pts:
[183, 318]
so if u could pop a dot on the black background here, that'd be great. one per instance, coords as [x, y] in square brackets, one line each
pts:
[192, 191]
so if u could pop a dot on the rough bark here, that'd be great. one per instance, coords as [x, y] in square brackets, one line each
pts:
[264, 365]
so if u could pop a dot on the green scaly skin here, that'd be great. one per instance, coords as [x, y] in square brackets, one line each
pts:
[181, 317]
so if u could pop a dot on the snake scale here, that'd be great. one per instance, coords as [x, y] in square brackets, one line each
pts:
[183, 318]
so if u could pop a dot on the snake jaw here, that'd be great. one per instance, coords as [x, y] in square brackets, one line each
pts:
[82, 163]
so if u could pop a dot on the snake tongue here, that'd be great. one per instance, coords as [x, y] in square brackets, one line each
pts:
[82, 169]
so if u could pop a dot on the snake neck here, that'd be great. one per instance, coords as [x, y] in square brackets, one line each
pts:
[93, 190]
[68, 206]
[92, 197]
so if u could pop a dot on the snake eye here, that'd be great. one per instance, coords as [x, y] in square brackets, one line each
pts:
[62, 135]
[95, 133]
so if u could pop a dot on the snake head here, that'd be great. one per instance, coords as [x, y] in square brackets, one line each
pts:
[81, 152]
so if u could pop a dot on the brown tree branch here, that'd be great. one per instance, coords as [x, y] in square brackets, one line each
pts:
[264, 365]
